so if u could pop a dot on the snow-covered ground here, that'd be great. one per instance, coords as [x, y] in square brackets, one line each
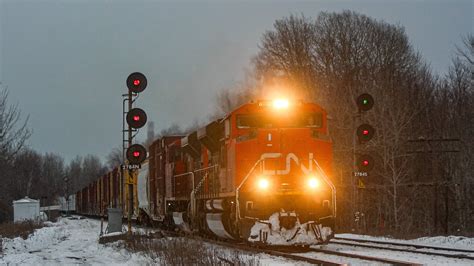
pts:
[460, 242]
[76, 242]
[440, 241]
[65, 242]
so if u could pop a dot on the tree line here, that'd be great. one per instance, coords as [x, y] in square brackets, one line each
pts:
[26, 172]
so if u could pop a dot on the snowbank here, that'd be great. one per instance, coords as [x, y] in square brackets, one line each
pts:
[66, 242]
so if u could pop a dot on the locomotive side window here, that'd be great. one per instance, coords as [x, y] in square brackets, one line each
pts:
[248, 121]
[313, 120]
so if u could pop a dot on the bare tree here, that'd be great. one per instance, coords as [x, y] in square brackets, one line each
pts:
[13, 132]
[115, 158]
[455, 118]
[92, 169]
[50, 183]
[286, 57]
[74, 173]
[25, 175]
[13, 136]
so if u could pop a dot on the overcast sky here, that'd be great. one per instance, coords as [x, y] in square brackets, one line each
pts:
[65, 62]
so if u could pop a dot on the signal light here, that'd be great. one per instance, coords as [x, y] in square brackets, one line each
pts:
[365, 132]
[136, 154]
[365, 102]
[365, 163]
[136, 82]
[136, 118]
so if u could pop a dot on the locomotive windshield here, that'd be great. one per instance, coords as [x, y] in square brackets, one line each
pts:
[313, 120]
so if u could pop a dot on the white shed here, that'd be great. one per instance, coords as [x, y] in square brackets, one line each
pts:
[26, 209]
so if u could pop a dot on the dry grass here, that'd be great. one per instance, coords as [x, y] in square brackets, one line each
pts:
[186, 251]
[23, 230]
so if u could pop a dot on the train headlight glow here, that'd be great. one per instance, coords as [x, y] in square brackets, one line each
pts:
[313, 182]
[281, 104]
[263, 183]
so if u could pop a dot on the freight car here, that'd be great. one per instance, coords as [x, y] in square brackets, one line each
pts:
[108, 191]
[261, 173]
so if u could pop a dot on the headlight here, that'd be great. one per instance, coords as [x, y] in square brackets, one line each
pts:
[281, 103]
[263, 183]
[313, 182]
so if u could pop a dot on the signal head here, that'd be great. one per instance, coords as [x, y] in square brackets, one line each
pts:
[136, 154]
[365, 163]
[365, 102]
[365, 132]
[136, 82]
[136, 118]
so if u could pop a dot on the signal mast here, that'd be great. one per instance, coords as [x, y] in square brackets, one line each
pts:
[135, 153]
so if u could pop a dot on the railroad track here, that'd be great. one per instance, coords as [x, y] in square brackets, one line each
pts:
[299, 254]
[363, 257]
[395, 246]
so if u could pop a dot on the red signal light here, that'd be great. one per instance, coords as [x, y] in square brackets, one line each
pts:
[365, 163]
[365, 132]
[136, 82]
[136, 154]
[136, 118]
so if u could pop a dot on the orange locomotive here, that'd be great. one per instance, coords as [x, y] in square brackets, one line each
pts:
[262, 173]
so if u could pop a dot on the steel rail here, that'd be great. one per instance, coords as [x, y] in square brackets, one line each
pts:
[417, 246]
[456, 256]
[364, 257]
[244, 247]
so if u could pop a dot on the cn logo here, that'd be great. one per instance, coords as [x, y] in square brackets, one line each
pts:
[289, 157]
